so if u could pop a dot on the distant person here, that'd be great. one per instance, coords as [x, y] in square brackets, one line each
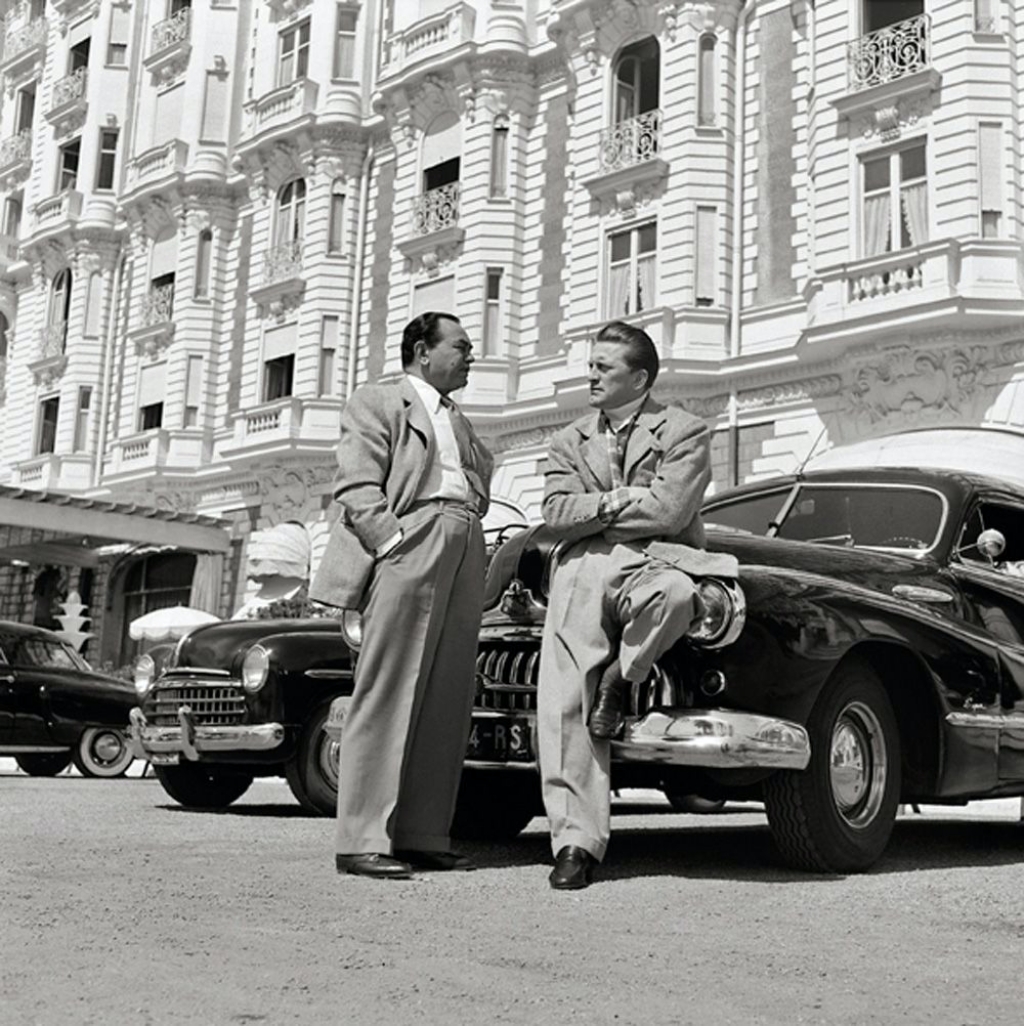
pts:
[623, 486]
[408, 551]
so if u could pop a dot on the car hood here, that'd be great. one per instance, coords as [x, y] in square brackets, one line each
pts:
[864, 567]
[217, 645]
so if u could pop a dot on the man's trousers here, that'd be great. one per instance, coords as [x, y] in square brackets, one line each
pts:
[405, 733]
[606, 601]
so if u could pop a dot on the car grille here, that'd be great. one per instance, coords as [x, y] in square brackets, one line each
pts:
[507, 681]
[212, 705]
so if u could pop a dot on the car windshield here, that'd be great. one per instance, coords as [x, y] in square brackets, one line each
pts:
[858, 516]
[46, 653]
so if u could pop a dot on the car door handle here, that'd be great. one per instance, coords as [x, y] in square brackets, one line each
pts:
[7, 678]
[919, 593]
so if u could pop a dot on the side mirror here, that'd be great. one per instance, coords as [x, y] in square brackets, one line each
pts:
[991, 543]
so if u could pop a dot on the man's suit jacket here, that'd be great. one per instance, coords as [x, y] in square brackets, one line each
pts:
[668, 453]
[386, 449]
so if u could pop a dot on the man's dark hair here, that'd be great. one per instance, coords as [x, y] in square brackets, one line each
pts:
[640, 351]
[423, 327]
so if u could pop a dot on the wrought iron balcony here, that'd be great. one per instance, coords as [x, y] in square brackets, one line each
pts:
[436, 209]
[158, 306]
[283, 263]
[68, 93]
[631, 142]
[22, 41]
[16, 150]
[171, 31]
[890, 53]
[52, 340]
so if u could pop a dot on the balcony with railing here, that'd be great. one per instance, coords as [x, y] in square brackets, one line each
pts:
[282, 280]
[155, 328]
[282, 106]
[49, 359]
[170, 43]
[68, 97]
[157, 164]
[429, 37]
[287, 423]
[24, 48]
[628, 157]
[949, 284]
[16, 155]
[57, 213]
[890, 63]
[139, 453]
[434, 229]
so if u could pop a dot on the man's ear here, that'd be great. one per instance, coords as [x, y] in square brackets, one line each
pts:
[640, 380]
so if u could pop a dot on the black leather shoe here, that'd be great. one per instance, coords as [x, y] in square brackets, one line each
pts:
[384, 867]
[607, 717]
[442, 861]
[573, 870]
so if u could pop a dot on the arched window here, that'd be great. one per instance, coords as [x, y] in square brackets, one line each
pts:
[636, 87]
[707, 112]
[336, 226]
[499, 157]
[291, 213]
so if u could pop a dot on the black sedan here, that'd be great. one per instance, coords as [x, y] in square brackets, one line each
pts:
[54, 710]
[872, 654]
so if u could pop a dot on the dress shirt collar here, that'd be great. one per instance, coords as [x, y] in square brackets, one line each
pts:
[429, 396]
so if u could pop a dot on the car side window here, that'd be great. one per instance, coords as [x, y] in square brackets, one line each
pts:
[753, 514]
[44, 653]
[1002, 517]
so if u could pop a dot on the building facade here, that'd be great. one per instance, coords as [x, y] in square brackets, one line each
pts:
[218, 215]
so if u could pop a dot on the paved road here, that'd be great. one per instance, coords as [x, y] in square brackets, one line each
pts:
[119, 907]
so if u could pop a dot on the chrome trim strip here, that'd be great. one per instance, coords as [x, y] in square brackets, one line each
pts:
[33, 749]
[191, 740]
[718, 738]
[986, 720]
[481, 764]
[330, 674]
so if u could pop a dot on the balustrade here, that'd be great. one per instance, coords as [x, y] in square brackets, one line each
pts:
[24, 38]
[51, 340]
[68, 89]
[171, 31]
[282, 262]
[158, 306]
[16, 148]
[441, 31]
[890, 53]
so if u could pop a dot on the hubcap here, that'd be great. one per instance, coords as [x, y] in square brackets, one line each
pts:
[328, 759]
[858, 764]
[108, 748]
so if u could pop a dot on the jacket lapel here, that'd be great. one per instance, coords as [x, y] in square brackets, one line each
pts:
[643, 439]
[594, 450]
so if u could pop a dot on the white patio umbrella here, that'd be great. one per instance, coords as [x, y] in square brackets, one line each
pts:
[170, 622]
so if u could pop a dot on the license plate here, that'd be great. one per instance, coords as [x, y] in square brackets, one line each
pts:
[336, 717]
[500, 739]
[164, 758]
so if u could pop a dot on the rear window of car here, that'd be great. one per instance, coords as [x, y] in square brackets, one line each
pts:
[40, 652]
[866, 516]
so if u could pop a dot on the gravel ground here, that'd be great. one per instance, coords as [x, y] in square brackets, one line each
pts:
[120, 907]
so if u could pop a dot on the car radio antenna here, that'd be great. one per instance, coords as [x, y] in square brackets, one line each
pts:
[810, 453]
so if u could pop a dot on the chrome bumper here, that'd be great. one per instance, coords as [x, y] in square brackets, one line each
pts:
[190, 740]
[717, 738]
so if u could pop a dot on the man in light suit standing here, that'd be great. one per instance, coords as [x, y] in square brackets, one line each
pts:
[623, 487]
[408, 551]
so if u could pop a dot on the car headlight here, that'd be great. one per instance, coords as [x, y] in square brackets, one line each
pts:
[255, 668]
[144, 674]
[725, 612]
[352, 628]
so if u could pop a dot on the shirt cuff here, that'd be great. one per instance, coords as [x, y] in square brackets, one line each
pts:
[612, 504]
[391, 543]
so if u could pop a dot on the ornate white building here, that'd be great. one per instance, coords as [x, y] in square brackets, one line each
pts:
[218, 215]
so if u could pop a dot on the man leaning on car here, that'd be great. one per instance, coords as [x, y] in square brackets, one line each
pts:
[623, 487]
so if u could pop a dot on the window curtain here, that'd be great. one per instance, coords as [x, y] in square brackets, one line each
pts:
[915, 211]
[205, 591]
[645, 275]
[876, 225]
[618, 291]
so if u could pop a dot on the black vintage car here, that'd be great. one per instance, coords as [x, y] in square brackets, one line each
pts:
[871, 653]
[54, 710]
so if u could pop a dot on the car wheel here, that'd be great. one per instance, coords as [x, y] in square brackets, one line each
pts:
[694, 803]
[837, 815]
[43, 764]
[203, 787]
[312, 773]
[495, 806]
[102, 752]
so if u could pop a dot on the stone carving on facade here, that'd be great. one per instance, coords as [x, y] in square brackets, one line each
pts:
[901, 385]
[534, 438]
[1012, 353]
[788, 392]
[271, 166]
[889, 121]
[292, 492]
[705, 407]
[177, 501]
[281, 307]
